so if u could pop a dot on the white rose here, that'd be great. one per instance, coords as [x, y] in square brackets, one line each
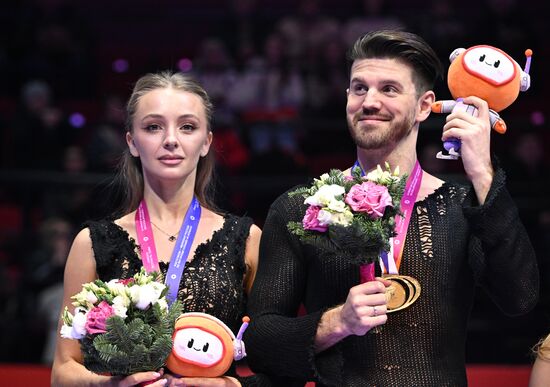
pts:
[79, 325]
[116, 288]
[159, 287]
[325, 195]
[142, 296]
[337, 206]
[120, 305]
[312, 201]
[163, 304]
[324, 217]
[67, 332]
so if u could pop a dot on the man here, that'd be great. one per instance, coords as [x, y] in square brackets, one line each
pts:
[458, 236]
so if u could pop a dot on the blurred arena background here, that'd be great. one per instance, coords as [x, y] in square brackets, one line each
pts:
[277, 74]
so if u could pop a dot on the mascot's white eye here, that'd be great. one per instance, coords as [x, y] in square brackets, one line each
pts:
[489, 64]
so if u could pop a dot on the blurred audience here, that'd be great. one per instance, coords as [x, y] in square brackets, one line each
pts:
[372, 15]
[269, 97]
[105, 142]
[305, 28]
[277, 74]
[40, 129]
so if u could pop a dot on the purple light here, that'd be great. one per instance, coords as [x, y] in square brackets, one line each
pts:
[185, 65]
[120, 65]
[537, 118]
[77, 120]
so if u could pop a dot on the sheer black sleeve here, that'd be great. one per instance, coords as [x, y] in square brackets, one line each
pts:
[501, 253]
[279, 342]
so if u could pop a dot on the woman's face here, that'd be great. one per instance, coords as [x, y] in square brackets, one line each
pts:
[169, 134]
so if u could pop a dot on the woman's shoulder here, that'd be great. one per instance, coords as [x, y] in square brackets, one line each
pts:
[99, 223]
[108, 231]
[237, 222]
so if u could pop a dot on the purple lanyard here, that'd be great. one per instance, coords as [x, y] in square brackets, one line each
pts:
[391, 262]
[180, 253]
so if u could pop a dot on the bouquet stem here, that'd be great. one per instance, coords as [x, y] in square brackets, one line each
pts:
[366, 272]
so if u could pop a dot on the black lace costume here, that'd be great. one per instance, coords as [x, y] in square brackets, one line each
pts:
[452, 244]
[212, 282]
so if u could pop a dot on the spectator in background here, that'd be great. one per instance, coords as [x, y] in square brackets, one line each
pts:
[326, 80]
[71, 200]
[527, 158]
[105, 142]
[245, 26]
[370, 15]
[446, 27]
[40, 129]
[305, 30]
[59, 47]
[269, 98]
[42, 288]
[213, 68]
[506, 23]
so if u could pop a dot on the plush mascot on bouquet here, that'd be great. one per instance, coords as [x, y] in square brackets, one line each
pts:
[203, 346]
[485, 72]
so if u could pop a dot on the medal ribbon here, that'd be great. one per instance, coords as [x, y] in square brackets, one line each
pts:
[390, 262]
[180, 253]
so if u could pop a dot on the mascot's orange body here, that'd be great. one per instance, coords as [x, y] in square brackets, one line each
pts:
[485, 72]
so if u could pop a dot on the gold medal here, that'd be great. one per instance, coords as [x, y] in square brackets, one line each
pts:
[402, 293]
[396, 294]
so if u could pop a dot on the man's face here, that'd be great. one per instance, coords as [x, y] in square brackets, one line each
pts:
[382, 104]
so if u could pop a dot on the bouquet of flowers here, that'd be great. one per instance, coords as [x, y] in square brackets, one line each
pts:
[124, 326]
[353, 215]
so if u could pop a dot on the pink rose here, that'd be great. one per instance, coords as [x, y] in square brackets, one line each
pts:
[369, 197]
[96, 321]
[311, 222]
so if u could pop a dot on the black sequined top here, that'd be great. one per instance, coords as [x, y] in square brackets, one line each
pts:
[212, 282]
[452, 244]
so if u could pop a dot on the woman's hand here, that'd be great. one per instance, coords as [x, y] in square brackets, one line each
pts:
[222, 381]
[149, 379]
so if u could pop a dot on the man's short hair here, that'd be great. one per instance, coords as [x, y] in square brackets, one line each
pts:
[404, 46]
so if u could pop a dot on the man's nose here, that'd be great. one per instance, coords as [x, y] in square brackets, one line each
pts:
[371, 100]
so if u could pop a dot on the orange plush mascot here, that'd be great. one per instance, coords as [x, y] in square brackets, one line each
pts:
[204, 346]
[485, 72]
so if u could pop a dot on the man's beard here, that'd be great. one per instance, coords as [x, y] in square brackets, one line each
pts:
[378, 138]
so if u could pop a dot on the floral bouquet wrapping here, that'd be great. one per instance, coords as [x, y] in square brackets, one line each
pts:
[124, 326]
[353, 215]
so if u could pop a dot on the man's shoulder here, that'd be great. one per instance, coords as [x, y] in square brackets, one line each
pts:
[290, 203]
[292, 195]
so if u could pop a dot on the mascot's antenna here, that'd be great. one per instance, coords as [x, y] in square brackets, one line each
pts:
[528, 54]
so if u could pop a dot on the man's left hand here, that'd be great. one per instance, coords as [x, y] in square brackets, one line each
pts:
[474, 132]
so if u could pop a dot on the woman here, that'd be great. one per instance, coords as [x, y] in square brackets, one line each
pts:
[167, 169]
